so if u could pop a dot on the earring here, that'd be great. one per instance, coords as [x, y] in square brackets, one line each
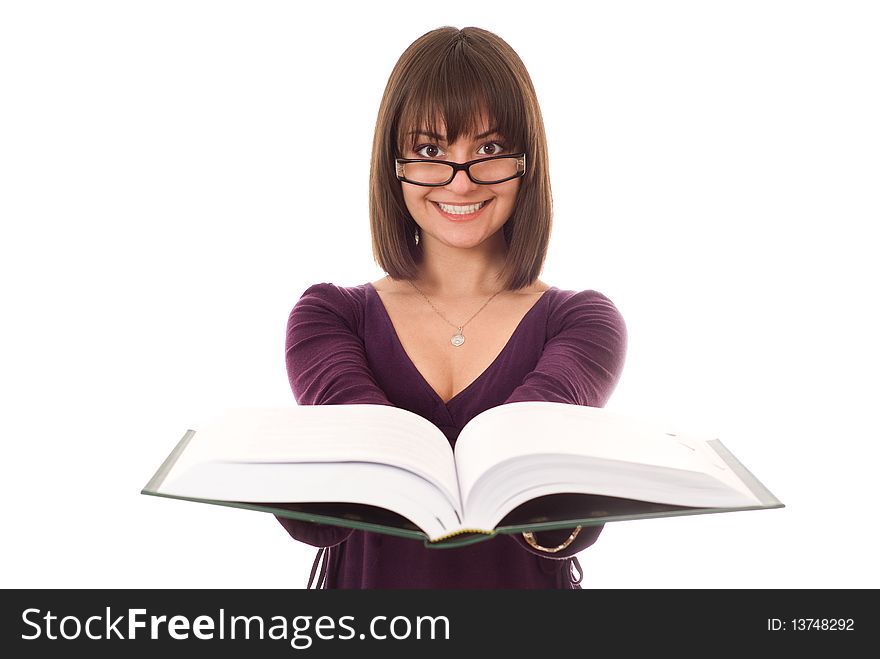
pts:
[417, 235]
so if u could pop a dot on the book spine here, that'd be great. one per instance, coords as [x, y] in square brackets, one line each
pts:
[459, 532]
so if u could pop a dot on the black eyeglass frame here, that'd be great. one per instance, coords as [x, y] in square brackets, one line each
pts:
[461, 166]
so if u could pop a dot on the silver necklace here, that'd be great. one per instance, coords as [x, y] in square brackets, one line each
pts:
[458, 337]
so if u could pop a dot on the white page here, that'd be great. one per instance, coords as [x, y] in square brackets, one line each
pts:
[326, 433]
[528, 428]
[511, 483]
[394, 489]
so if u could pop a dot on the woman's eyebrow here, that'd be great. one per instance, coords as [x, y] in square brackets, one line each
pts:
[441, 138]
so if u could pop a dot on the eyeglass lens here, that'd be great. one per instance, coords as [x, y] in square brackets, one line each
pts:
[487, 171]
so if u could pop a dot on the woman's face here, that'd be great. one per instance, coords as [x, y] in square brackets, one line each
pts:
[463, 213]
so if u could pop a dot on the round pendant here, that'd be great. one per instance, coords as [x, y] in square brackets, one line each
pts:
[457, 340]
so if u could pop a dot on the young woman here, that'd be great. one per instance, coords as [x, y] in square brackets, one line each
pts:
[460, 212]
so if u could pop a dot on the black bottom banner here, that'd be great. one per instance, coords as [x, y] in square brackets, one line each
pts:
[286, 623]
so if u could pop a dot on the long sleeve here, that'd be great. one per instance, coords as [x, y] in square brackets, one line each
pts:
[326, 361]
[326, 365]
[583, 356]
[580, 365]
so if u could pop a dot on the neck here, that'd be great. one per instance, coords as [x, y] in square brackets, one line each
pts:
[457, 272]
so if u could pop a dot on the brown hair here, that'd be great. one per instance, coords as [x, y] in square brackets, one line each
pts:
[457, 75]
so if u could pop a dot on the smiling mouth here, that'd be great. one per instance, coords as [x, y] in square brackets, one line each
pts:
[461, 209]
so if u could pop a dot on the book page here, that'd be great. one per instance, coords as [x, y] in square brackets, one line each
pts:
[326, 434]
[527, 430]
[391, 488]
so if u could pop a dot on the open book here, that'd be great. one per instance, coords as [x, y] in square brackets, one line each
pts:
[527, 466]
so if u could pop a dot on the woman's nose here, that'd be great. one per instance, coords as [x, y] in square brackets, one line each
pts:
[460, 183]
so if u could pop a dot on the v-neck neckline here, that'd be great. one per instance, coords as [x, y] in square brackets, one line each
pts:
[418, 374]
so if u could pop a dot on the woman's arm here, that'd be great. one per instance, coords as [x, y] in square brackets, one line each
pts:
[326, 360]
[326, 365]
[580, 365]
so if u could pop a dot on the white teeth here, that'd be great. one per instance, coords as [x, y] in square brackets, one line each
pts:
[462, 210]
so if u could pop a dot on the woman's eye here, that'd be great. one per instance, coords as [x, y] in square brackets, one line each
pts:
[491, 149]
[428, 151]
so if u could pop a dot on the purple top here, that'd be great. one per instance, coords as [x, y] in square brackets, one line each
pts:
[342, 348]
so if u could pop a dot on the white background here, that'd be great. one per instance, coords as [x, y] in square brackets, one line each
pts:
[173, 175]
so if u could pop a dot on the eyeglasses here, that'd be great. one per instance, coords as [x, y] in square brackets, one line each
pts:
[485, 171]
